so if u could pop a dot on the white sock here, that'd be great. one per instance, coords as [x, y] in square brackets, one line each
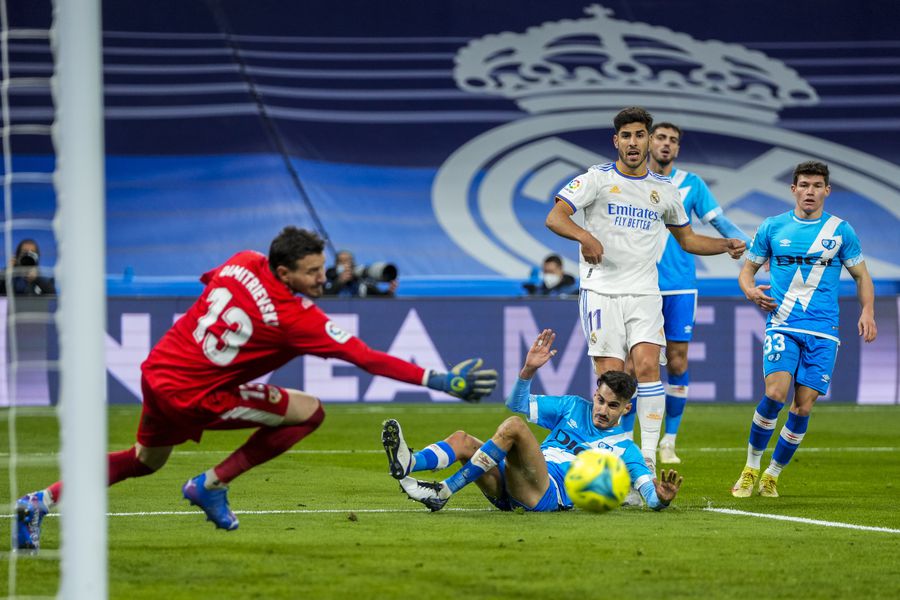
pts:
[668, 440]
[651, 410]
[753, 457]
[212, 481]
[774, 469]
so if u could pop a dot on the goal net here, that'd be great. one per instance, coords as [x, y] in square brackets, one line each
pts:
[53, 345]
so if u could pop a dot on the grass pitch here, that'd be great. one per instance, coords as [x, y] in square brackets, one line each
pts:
[327, 521]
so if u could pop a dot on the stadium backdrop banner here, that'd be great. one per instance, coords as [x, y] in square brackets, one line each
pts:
[726, 352]
[446, 127]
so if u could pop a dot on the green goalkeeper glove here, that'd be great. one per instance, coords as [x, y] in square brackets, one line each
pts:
[467, 380]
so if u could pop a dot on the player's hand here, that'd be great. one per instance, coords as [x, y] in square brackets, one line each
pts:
[541, 351]
[467, 380]
[735, 247]
[757, 295]
[592, 250]
[867, 328]
[667, 485]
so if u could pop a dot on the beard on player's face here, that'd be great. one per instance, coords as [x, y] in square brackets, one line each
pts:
[633, 160]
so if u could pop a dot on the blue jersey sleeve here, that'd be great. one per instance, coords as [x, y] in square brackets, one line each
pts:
[634, 461]
[703, 203]
[727, 229]
[545, 411]
[850, 253]
[761, 249]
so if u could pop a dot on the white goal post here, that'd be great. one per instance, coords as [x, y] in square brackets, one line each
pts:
[76, 40]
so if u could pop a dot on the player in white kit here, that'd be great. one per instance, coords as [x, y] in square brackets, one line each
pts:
[627, 209]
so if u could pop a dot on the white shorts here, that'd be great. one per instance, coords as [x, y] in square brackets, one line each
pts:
[614, 324]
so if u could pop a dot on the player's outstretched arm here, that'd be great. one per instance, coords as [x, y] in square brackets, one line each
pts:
[667, 485]
[865, 293]
[704, 245]
[727, 229]
[467, 380]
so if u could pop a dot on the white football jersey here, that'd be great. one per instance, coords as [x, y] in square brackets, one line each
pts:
[628, 215]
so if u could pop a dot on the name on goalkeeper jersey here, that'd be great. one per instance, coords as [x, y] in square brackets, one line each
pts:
[631, 217]
[256, 290]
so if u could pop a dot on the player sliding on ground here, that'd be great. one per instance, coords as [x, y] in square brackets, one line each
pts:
[512, 469]
[246, 323]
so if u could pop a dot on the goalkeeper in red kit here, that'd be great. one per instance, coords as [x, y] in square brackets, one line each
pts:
[248, 322]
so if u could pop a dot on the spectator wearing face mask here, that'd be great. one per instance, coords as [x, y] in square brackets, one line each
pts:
[553, 280]
[26, 275]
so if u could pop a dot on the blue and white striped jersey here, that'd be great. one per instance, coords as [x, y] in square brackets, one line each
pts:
[805, 257]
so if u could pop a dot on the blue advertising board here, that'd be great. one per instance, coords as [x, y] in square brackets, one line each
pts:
[725, 355]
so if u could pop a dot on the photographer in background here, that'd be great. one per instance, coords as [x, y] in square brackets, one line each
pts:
[26, 275]
[553, 280]
[350, 281]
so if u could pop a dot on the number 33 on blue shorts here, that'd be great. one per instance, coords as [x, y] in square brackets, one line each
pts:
[808, 358]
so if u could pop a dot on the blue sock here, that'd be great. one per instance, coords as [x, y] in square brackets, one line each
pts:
[434, 457]
[627, 421]
[484, 459]
[676, 399]
[791, 435]
[764, 420]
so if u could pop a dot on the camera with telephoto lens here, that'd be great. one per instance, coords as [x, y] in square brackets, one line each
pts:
[379, 271]
[29, 259]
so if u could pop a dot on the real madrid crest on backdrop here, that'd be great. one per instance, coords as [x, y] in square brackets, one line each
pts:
[573, 76]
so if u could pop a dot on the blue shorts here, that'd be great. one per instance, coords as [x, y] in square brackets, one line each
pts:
[808, 358]
[549, 502]
[679, 311]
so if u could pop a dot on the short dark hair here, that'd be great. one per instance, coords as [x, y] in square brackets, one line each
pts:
[291, 245]
[621, 383]
[667, 125]
[632, 114]
[811, 167]
[553, 258]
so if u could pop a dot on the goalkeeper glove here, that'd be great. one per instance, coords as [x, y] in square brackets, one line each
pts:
[467, 380]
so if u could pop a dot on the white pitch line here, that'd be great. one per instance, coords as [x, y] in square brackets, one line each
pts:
[743, 513]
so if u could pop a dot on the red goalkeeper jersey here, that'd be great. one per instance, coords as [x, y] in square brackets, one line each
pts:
[246, 324]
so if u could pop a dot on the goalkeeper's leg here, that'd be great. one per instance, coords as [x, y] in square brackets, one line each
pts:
[31, 509]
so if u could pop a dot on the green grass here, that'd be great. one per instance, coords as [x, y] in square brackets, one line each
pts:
[684, 552]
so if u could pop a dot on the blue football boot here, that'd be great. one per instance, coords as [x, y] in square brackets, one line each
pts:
[30, 512]
[213, 502]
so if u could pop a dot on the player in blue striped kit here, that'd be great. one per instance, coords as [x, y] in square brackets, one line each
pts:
[512, 469]
[806, 248]
[678, 280]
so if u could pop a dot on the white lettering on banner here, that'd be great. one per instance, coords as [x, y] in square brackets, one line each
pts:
[123, 360]
[520, 330]
[318, 373]
[702, 390]
[413, 344]
[749, 325]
